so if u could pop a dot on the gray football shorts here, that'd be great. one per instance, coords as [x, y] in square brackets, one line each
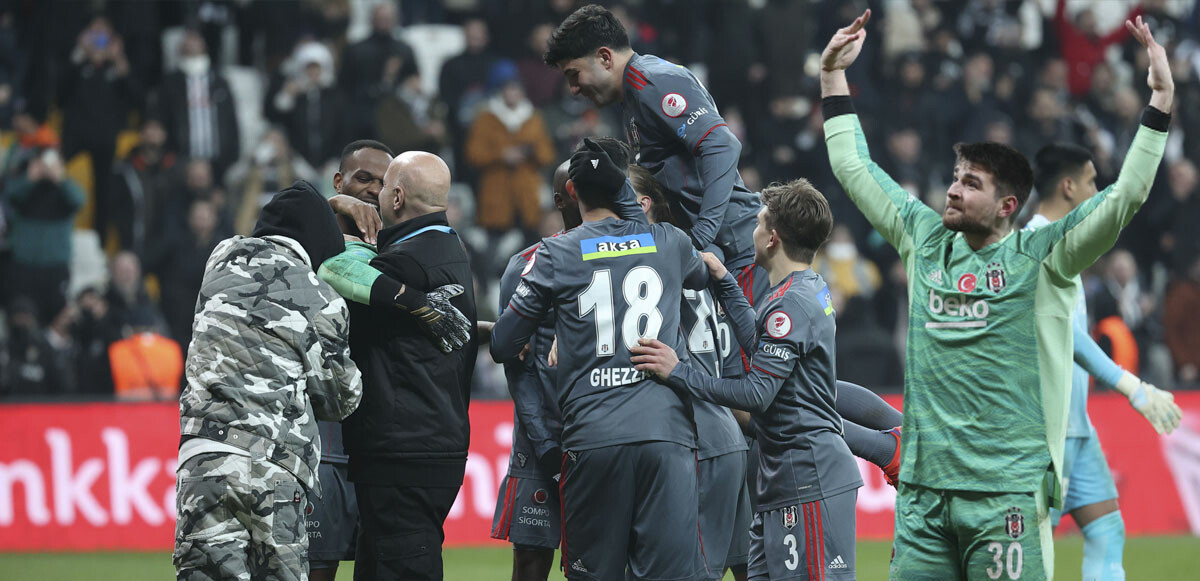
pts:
[811, 540]
[527, 512]
[332, 524]
[724, 512]
[631, 505]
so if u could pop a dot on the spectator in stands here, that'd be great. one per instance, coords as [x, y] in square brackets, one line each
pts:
[43, 204]
[542, 83]
[510, 147]
[31, 136]
[141, 184]
[31, 370]
[364, 64]
[1181, 241]
[126, 290]
[1048, 120]
[848, 272]
[1179, 316]
[310, 106]
[178, 262]
[197, 108]
[63, 349]
[145, 365]
[462, 86]
[1081, 45]
[256, 178]
[96, 95]
[571, 118]
[96, 329]
[1124, 294]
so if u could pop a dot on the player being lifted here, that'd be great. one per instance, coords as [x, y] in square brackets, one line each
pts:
[679, 135]
[1065, 178]
[528, 513]
[808, 482]
[674, 128]
[986, 406]
[628, 482]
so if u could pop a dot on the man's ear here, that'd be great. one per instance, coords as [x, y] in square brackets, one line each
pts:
[605, 55]
[1009, 206]
[398, 201]
[337, 182]
[1068, 188]
[571, 191]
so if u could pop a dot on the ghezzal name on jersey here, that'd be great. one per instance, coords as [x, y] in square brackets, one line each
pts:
[614, 376]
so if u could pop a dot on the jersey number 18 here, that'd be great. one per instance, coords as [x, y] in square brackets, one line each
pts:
[642, 289]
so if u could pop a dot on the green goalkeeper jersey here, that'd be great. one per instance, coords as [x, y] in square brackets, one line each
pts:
[988, 365]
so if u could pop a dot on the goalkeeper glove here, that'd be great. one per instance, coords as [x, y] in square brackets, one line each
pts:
[1156, 405]
[446, 324]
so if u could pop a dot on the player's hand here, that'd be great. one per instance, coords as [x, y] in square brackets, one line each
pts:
[1159, 77]
[845, 45]
[550, 464]
[446, 324]
[654, 357]
[365, 216]
[552, 357]
[716, 268]
[592, 170]
[1156, 405]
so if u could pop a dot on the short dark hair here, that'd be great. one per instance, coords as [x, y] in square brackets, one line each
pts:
[354, 146]
[582, 33]
[619, 152]
[1009, 168]
[1056, 161]
[800, 215]
[644, 183]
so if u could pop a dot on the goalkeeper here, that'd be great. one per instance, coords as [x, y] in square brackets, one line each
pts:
[1065, 177]
[987, 380]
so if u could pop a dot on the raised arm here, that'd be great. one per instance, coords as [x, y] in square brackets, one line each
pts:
[592, 165]
[530, 303]
[897, 215]
[1092, 228]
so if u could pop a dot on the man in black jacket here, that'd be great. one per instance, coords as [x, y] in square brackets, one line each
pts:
[408, 442]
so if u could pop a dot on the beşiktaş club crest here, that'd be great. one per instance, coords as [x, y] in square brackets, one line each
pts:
[789, 517]
[1014, 523]
[995, 277]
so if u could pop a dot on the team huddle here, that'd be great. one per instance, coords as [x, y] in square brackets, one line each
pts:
[677, 295]
[671, 357]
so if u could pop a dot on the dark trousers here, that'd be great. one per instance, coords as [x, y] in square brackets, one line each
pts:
[400, 531]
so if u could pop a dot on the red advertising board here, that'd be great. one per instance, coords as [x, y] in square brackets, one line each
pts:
[80, 477]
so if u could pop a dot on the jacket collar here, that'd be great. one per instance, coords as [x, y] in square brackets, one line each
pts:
[391, 234]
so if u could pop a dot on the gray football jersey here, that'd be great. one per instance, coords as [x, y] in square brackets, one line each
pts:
[609, 283]
[717, 432]
[537, 428]
[677, 133]
[790, 391]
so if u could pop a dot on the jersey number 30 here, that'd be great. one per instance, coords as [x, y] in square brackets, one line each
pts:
[642, 289]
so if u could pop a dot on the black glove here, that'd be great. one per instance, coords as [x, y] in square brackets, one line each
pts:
[448, 327]
[594, 173]
[550, 464]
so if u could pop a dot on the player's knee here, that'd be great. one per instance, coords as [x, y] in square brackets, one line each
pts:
[1106, 530]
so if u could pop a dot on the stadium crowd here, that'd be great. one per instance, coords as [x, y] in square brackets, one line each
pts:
[136, 136]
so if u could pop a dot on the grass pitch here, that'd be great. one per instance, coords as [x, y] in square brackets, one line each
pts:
[1145, 558]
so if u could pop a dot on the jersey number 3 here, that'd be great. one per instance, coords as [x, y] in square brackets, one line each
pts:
[642, 289]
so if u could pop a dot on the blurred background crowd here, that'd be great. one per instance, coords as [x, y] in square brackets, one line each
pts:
[135, 135]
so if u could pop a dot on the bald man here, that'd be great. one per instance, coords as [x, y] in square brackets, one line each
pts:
[408, 443]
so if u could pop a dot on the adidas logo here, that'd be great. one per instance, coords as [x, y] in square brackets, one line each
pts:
[578, 566]
[595, 163]
[838, 563]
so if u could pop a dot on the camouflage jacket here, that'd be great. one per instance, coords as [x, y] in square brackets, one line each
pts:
[269, 355]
